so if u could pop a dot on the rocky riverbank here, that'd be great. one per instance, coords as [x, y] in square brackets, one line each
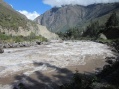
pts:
[25, 44]
[17, 45]
[20, 44]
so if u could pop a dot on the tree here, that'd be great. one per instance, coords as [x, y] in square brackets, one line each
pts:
[112, 21]
[92, 30]
[111, 26]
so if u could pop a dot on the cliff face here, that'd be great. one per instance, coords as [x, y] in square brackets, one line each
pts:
[62, 18]
[15, 24]
[43, 31]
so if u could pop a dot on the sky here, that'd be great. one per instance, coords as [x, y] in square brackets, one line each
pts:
[33, 8]
[30, 8]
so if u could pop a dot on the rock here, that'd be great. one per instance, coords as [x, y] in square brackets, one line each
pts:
[6, 46]
[46, 43]
[15, 45]
[27, 44]
[39, 43]
[97, 85]
[19, 86]
[10, 45]
[33, 44]
[110, 58]
[106, 67]
[102, 36]
[110, 61]
[1, 50]
[21, 44]
[1, 45]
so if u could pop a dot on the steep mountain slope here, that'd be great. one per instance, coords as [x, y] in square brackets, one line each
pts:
[62, 18]
[15, 24]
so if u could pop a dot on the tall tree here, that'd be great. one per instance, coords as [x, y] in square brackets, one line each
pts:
[112, 21]
[92, 30]
[112, 27]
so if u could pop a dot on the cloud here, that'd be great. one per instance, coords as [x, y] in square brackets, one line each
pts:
[11, 5]
[73, 2]
[29, 15]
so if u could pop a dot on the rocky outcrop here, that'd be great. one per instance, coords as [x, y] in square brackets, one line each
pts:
[59, 19]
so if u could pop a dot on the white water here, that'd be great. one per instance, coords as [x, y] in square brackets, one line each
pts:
[56, 54]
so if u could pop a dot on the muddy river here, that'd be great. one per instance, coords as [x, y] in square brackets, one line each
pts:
[50, 59]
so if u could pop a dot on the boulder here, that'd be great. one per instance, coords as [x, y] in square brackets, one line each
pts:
[102, 36]
[21, 44]
[15, 45]
[6, 46]
[11, 45]
[1, 45]
[97, 85]
[1, 50]
[46, 43]
[38, 43]
[27, 44]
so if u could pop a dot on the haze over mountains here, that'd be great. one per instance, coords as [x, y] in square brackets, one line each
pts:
[60, 19]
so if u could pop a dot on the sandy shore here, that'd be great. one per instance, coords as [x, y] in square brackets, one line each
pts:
[45, 66]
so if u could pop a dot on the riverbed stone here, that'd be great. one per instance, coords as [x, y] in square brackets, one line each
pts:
[38, 42]
[1, 50]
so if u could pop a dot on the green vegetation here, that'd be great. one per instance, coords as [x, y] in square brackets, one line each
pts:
[110, 29]
[83, 81]
[92, 32]
[71, 34]
[79, 81]
[10, 38]
[10, 19]
[112, 21]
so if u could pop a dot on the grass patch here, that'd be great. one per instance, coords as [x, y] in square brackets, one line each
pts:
[10, 38]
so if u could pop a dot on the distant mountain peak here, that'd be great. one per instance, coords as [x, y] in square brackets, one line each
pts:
[68, 16]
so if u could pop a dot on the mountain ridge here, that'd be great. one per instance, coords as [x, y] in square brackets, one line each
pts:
[60, 19]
